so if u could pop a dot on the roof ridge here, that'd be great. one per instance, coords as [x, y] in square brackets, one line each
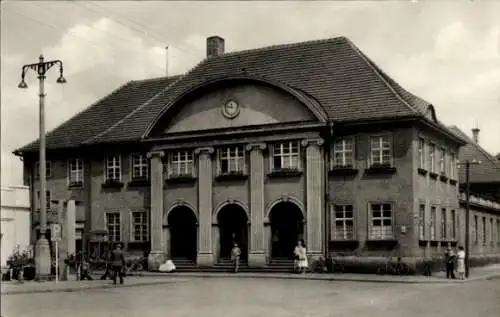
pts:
[282, 46]
[147, 102]
[480, 148]
[99, 101]
[376, 70]
[156, 78]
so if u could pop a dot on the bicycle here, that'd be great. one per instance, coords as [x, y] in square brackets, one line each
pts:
[393, 268]
[134, 266]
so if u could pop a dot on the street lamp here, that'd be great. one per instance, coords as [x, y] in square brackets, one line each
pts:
[42, 250]
[467, 164]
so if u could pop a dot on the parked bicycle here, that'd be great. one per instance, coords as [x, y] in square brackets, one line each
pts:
[392, 267]
[134, 267]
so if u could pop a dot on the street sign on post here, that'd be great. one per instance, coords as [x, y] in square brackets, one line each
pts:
[55, 232]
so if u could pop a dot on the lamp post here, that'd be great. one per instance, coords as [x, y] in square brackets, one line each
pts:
[42, 250]
[467, 164]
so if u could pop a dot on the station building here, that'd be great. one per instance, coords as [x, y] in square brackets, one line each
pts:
[266, 146]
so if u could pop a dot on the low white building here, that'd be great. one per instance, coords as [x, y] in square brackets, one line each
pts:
[15, 220]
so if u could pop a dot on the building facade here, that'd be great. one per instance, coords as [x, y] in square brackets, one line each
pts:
[263, 147]
[15, 220]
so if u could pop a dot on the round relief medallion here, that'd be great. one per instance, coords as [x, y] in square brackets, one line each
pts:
[231, 109]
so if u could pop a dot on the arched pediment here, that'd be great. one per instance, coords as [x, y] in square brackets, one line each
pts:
[257, 101]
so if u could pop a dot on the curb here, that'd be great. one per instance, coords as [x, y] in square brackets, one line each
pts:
[221, 275]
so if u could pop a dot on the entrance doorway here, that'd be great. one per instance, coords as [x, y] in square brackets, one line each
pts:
[233, 227]
[183, 233]
[286, 229]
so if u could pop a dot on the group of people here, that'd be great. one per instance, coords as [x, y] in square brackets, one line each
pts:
[455, 262]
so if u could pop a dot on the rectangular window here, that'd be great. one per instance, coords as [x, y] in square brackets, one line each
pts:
[476, 230]
[140, 226]
[181, 164]
[231, 160]
[421, 222]
[421, 153]
[48, 199]
[344, 222]
[75, 172]
[140, 170]
[112, 224]
[380, 150]
[484, 230]
[491, 231]
[343, 153]
[443, 224]
[113, 168]
[48, 169]
[453, 166]
[433, 223]
[442, 161]
[381, 222]
[453, 225]
[286, 156]
[432, 154]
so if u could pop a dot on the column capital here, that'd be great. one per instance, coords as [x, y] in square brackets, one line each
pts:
[152, 154]
[316, 142]
[256, 146]
[204, 150]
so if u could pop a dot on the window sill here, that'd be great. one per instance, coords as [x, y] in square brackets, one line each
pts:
[75, 185]
[389, 242]
[112, 184]
[343, 244]
[433, 175]
[443, 178]
[285, 173]
[343, 171]
[453, 182]
[231, 177]
[380, 169]
[422, 171]
[138, 183]
[181, 179]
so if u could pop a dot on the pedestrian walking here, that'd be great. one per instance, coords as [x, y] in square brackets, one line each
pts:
[461, 263]
[235, 257]
[450, 262]
[117, 262]
[300, 253]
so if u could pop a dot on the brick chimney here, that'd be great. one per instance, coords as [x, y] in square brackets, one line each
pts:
[475, 135]
[215, 46]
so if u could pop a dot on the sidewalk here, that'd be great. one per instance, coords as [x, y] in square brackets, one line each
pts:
[152, 278]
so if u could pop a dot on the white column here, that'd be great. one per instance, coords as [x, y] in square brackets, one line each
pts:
[205, 255]
[257, 256]
[156, 256]
[315, 186]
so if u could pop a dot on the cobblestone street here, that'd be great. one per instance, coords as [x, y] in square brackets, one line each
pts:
[265, 297]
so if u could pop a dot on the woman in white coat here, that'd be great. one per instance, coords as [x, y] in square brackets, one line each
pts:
[300, 253]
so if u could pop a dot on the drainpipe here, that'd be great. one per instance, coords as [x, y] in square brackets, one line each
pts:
[328, 142]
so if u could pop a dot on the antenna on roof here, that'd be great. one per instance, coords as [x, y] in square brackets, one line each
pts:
[166, 60]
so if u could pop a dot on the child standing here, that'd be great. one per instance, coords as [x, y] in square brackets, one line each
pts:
[235, 257]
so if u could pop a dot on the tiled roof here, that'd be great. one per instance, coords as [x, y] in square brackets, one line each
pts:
[334, 72]
[488, 171]
[101, 115]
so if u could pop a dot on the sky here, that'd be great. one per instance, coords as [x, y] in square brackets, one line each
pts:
[447, 52]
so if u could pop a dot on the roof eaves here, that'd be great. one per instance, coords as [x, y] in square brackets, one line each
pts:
[19, 151]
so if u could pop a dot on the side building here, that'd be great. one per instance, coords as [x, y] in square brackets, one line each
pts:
[264, 147]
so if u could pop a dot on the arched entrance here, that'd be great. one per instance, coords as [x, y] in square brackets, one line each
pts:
[183, 227]
[233, 227]
[287, 227]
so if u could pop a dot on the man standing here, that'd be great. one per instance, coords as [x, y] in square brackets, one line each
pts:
[117, 262]
[449, 257]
